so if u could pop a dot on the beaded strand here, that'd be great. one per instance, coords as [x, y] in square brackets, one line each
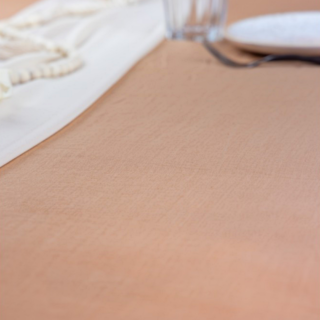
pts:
[71, 59]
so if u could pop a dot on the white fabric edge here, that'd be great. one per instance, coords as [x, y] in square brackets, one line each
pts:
[58, 123]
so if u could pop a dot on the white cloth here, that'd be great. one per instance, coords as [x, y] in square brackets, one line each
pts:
[38, 109]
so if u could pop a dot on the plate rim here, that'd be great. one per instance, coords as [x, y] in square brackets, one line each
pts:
[271, 45]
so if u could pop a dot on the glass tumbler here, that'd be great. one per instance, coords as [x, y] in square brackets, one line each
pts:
[195, 20]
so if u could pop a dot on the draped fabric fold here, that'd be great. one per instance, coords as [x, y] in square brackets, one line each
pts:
[110, 42]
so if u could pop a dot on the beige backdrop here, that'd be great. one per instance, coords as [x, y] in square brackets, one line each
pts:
[188, 191]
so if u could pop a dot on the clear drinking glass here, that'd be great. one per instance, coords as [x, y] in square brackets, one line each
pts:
[196, 20]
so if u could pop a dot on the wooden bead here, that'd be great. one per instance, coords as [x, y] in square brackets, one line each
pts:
[32, 20]
[14, 77]
[65, 68]
[46, 71]
[36, 73]
[24, 75]
[56, 70]
[50, 46]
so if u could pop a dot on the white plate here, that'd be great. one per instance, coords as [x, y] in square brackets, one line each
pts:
[282, 33]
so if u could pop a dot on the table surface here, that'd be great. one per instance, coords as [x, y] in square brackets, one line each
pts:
[188, 191]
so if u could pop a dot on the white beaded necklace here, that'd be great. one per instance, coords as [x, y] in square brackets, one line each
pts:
[70, 58]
